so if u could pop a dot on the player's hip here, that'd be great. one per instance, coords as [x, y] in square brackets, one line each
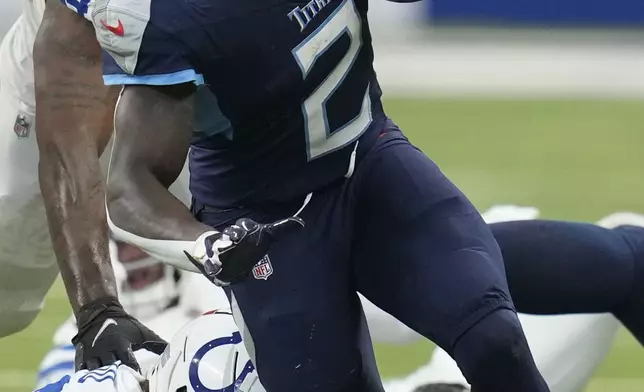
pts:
[389, 175]
[396, 180]
[290, 169]
[287, 300]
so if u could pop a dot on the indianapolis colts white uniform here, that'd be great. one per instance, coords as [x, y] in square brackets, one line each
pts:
[27, 264]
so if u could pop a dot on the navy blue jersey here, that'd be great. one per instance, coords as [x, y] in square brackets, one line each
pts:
[287, 88]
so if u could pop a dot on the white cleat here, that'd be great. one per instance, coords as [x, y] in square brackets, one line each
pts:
[621, 219]
[509, 212]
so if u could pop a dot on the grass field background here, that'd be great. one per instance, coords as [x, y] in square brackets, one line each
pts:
[576, 160]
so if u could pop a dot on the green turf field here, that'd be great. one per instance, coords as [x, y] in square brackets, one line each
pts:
[576, 160]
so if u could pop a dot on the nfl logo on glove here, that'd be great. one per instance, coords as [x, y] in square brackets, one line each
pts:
[263, 269]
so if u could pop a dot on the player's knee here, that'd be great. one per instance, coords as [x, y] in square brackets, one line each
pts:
[493, 346]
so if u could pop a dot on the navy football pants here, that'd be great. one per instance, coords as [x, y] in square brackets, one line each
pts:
[564, 267]
[402, 234]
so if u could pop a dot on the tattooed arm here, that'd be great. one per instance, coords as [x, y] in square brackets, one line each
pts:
[74, 123]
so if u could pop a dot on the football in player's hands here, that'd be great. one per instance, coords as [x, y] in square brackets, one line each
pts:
[229, 256]
[106, 334]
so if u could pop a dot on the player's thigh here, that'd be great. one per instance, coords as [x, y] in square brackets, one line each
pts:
[27, 263]
[568, 348]
[423, 253]
[297, 312]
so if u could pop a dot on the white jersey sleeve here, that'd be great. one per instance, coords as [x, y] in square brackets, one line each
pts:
[113, 378]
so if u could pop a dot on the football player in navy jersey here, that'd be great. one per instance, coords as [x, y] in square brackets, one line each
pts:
[281, 107]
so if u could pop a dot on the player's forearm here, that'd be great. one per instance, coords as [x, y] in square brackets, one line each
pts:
[141, 209]
[143, 213]
[73, 122]
[77, 225]
[138, 203]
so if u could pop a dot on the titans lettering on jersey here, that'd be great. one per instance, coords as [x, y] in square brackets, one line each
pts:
[290, 101]
[303, 15]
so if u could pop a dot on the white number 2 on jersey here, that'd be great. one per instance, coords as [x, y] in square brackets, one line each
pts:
[320, 139]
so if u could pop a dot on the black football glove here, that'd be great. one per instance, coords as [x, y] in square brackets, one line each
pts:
[229, 256]
[106, 334]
